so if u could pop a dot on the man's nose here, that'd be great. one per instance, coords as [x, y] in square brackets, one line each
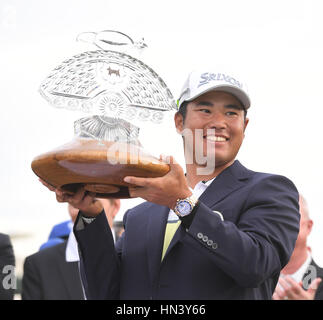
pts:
[217, 122]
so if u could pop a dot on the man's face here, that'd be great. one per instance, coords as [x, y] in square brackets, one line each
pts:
[221, 112]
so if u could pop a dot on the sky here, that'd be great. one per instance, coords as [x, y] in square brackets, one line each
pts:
[275, 47]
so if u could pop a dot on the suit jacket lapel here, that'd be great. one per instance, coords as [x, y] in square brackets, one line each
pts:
[229, 180]
[155, 238]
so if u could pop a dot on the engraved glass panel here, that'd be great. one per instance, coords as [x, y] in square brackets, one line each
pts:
[112, 87]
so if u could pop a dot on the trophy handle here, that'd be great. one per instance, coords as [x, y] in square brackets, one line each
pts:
[110, 38]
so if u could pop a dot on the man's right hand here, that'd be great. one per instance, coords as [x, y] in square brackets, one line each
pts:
[81, 199]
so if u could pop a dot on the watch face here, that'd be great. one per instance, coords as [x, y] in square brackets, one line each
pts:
[184, 207]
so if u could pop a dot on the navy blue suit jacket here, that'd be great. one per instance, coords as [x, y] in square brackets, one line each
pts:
[239, 257]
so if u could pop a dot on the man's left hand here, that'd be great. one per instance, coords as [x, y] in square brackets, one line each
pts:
[163, 190]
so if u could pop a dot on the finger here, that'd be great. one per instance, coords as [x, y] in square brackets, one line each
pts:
[135, 192]
[286, 288]
[88, 199]
[295, 291]
[62, 197]
[47, 185]
[295, 288]
[284, 283]
[169, 160]
[175, 166]
[164, 158]
[141, 182]
[172, 161]
[276, 296]
[79, 195]
[59, 192]
[280, 292]
[314, 285]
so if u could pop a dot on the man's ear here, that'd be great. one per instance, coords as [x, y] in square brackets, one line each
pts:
[178, 119]
[309, 226]
[246, 121]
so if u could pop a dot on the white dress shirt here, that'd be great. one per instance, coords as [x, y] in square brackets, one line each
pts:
[299, 274]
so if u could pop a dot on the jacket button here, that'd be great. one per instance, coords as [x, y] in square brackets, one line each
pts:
[210, 242]
[200, 235]
[214, 245]
[205, 238]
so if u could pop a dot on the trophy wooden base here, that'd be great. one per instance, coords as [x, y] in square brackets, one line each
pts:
[99, 166]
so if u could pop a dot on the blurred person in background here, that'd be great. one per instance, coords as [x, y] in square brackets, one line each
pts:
[53, 272]
[7, 265]
[59, 234]
[301, 278]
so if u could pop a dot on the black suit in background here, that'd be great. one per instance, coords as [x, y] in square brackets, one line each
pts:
[48, 276]
[7, 257]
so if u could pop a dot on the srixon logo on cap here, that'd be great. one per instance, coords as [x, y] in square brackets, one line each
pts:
[207, 77]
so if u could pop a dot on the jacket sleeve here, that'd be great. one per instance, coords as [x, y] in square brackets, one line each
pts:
[99, 265]
[263, 239]
[31, 285]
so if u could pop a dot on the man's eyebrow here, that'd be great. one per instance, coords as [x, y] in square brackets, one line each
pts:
[210, 104]
[204, 104]
[234, 106]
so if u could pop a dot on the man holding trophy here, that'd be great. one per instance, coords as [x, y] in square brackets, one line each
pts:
[218, 231]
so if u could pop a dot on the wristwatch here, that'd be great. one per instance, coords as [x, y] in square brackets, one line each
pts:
[185, 206]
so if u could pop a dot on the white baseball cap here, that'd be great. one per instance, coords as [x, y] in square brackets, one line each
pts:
[199, 83]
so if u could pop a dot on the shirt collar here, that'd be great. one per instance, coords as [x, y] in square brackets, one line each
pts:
[200, 187]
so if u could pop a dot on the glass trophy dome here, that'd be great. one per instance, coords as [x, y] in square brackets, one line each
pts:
[109, 84]
[116, 92]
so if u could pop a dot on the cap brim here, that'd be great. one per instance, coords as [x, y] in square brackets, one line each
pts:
[239, 94]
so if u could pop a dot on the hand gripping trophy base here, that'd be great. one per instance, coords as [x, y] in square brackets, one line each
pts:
[92, 164]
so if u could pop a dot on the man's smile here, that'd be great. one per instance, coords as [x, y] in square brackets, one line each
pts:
[216, 138]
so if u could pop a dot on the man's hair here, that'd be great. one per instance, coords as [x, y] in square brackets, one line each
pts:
[304, 205]
[183, 110]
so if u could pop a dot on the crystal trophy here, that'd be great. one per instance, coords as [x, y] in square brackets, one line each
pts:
[117, 93]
